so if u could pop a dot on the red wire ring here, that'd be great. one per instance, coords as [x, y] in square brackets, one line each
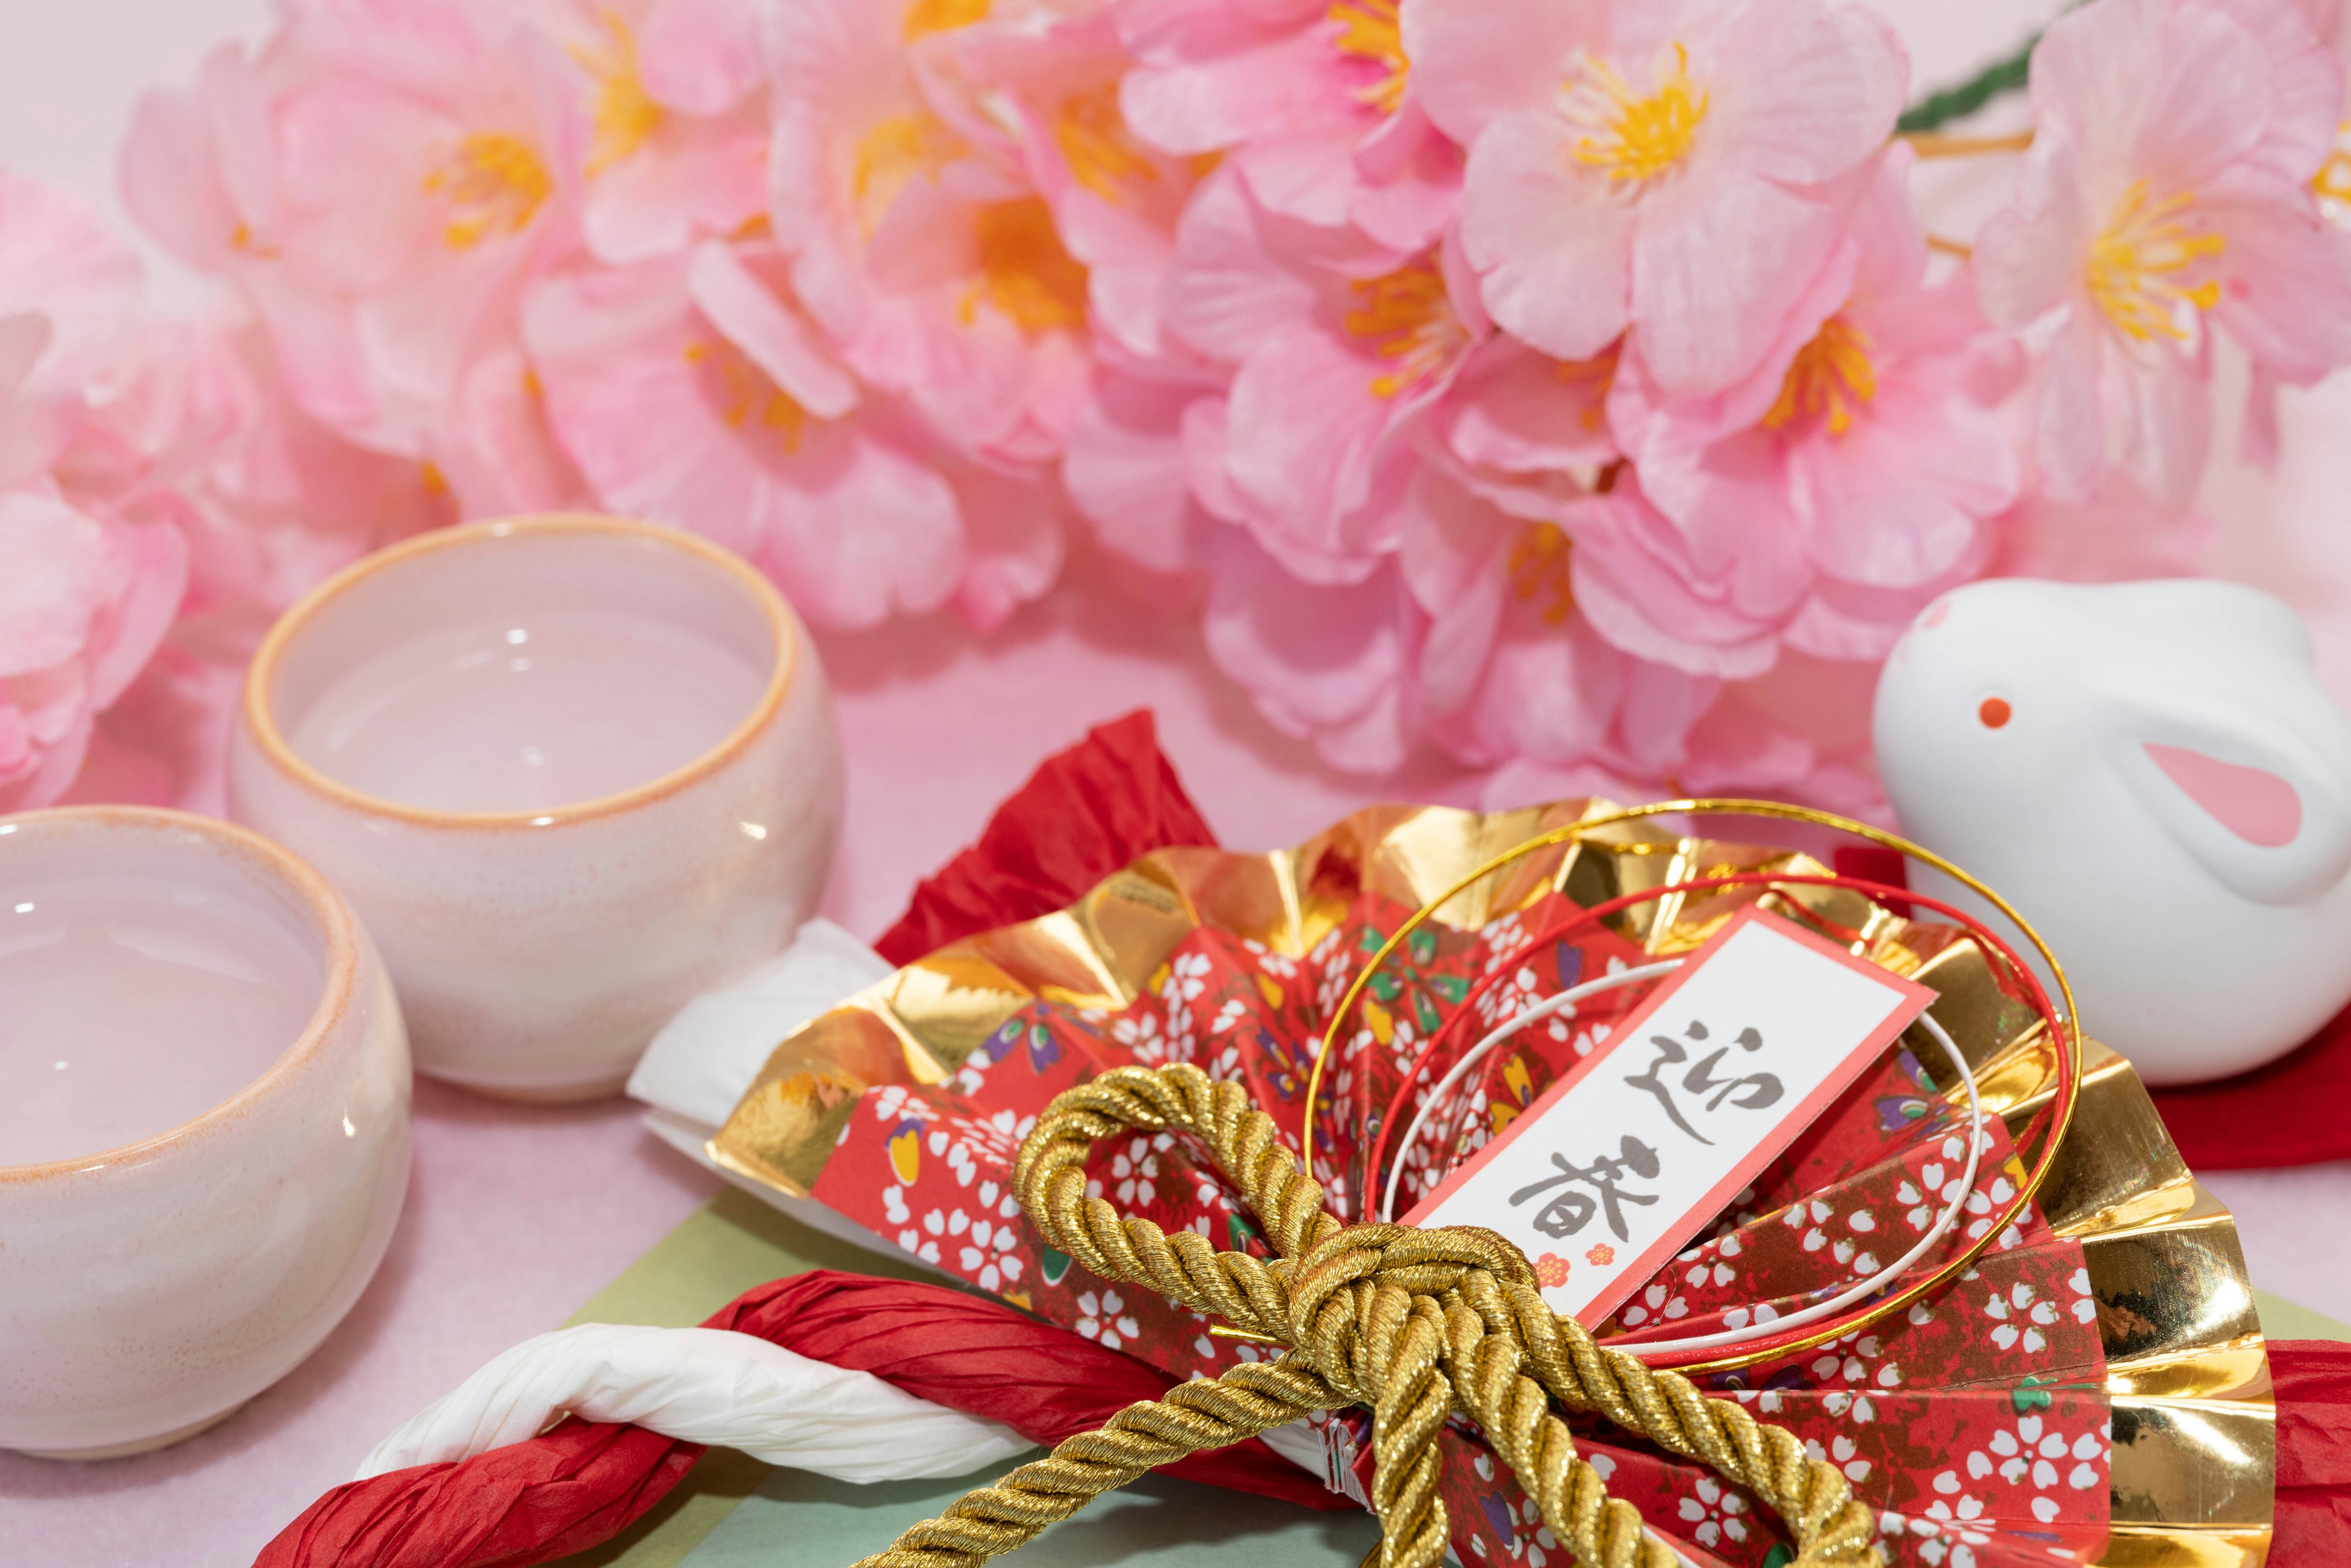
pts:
[1876, 890]
[1553, 932]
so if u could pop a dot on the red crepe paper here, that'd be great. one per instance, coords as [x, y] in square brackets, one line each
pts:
[2287, 1113]
[530, 1502]
[974, 1355]
[2313, 1377]
[1083, 814]
[582, 1483]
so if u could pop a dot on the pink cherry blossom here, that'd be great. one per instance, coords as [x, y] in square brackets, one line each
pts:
[692, 392]
[2167, 192]
[1313, 103]
[1678, 167]
[1342, 357]
[677, 124]
[929, 257]
[83, 604]
[378, 183]
[1047, 99]
[1843, 481]
[1508, 668]
[1476, 634]
[1129, 465]
[1328, 663]
[1331, 366]
[84, 596]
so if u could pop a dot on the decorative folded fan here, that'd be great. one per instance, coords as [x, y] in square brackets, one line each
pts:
[2095, 1390]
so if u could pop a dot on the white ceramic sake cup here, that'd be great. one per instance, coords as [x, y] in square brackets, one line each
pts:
[537, 951]
[148, 1291]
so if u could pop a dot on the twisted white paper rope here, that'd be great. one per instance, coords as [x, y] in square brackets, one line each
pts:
[702, 1385]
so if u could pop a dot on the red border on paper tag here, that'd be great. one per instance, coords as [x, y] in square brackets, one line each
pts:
[1777, 1137]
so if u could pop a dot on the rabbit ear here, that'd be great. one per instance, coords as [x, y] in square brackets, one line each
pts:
[2245, 792]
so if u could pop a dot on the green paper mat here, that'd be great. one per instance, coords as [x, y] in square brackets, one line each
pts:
[733, 1511]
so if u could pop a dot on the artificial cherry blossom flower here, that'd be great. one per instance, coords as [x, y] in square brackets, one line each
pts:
[84, 601]
[1508, 668]
[1341, 360]
[1329, 662]
[1312, 101]
[677, 125]
[1046, 97]
[693, 392]
[932, 261]
[379, 182]
[2167, 192]
[1845, 480]
[1678, 167]
[85, 595]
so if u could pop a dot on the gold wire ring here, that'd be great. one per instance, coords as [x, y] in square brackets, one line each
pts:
[2068, 1025]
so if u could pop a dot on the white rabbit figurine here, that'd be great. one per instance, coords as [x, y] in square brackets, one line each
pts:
[2152, 774]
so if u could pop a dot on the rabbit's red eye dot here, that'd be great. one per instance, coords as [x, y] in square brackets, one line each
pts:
[1994, 711]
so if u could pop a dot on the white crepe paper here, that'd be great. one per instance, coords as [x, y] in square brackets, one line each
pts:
[702, 1385]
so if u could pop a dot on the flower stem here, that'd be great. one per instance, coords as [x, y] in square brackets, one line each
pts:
[1935, 144]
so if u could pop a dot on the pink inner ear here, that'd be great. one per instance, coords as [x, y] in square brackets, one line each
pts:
[2256, 805]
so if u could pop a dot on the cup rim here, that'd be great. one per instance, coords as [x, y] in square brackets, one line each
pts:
[260, 676]
[332, 919]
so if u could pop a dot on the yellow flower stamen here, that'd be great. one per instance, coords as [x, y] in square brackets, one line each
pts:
[1829, 376]
[927, 16]
[1635, 137]
[493, 181]
[1024, 271]
[1368, 30]
[1597, 374]
[745, 397]
[896, 151]
[2332, 183]
[1407, 313]
[624, 116]
[2135, 268]
[1094, 138]
[1538, 567]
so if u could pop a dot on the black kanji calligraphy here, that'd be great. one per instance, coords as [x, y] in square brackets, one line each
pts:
[1747, 1091]
[1583, 1191]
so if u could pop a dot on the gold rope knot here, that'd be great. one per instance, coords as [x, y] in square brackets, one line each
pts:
[1418, 1325]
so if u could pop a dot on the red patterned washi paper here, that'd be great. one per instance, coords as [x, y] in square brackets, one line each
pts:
[1979, 1425]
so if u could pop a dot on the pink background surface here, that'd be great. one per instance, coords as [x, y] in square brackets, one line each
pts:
[515, 1218]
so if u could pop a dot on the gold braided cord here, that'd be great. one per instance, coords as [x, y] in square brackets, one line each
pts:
[2069, 1038]
[1415, 1323]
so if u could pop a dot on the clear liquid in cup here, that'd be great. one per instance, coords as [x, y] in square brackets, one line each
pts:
[129, 1006]
[530, 713]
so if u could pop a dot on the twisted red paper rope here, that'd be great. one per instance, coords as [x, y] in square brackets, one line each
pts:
[582, 1483]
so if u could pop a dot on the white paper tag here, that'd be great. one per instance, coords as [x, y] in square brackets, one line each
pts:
[1634, 1150]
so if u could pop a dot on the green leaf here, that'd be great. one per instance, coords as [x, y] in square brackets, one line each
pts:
[1426, 1011]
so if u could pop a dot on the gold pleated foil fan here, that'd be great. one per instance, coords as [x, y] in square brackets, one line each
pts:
[2095, 1391]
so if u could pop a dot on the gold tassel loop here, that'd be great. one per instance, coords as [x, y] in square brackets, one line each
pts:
[1415, 1323]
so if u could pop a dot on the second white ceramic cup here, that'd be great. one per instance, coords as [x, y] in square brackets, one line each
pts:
[570, 770]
